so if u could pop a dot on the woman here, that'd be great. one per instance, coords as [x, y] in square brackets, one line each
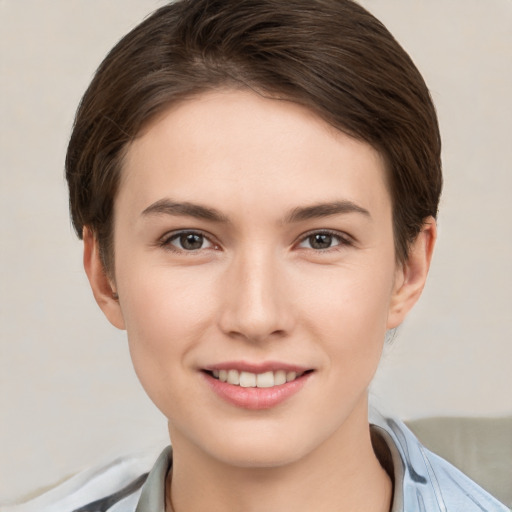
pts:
[256, 184]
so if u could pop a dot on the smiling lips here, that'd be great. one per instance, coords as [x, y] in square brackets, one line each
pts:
[255, 388]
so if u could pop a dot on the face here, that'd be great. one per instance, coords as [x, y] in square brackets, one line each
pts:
[254, 243]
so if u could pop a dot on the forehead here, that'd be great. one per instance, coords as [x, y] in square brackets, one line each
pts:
[212, 145]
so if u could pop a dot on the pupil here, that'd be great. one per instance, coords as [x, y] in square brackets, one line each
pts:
[191, 241]
[320, 241]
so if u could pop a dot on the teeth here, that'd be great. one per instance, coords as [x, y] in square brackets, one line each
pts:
[265, 380]
[279, 377]
[253, 380]
[233, 377]
[247, 380]
[291, 376]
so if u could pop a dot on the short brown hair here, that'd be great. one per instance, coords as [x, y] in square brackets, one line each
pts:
[331, 56]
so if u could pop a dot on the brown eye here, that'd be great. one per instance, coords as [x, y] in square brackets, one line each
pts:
[189, 241]
[323, 240]
[320, 241]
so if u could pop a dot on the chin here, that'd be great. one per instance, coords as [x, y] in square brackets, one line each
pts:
[262, 446]
[272, 455]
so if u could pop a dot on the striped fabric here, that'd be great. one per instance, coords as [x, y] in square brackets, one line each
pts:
[423, 481]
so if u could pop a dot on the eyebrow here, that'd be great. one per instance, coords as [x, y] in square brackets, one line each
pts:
[325, 210]
[168, 207]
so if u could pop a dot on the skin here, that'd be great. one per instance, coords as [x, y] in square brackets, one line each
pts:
[258, 289]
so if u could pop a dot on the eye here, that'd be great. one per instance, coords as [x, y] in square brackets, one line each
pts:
[322, 240]
[187, 241]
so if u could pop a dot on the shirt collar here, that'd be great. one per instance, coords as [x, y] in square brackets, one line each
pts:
[152, 497]
[406, 465]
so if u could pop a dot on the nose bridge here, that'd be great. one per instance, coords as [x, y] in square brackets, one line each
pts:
[254, 305]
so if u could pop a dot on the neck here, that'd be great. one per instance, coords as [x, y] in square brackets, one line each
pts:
[341, 474]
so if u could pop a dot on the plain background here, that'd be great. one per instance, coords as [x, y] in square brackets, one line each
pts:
[68, 395]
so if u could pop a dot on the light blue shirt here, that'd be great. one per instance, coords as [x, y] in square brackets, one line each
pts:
[423, 482]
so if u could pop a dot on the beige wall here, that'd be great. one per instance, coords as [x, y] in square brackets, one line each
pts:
[68, 396]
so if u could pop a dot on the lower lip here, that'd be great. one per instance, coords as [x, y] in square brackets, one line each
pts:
[256, 398]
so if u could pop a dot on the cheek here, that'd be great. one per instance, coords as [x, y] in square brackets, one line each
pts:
[358, 294]
[166, 315]
[348, 311]
[163, 302]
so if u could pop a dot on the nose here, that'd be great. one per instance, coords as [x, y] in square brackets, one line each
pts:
[255, 305]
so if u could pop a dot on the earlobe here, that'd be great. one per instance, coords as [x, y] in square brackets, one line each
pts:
[102, 286]
[412, 275]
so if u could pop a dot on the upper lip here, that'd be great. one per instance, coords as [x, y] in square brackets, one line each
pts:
[268, 366]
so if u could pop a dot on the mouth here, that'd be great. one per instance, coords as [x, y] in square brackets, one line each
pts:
[246, 379]
[256, 387]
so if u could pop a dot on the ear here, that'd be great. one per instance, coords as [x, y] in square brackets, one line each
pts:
[103, 288]
[411, 275]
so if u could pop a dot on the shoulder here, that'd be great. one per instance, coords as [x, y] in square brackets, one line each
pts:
[458, 491]
[114, 486]
[425, 481]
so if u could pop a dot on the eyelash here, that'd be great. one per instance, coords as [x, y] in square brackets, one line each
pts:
[343, 240]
